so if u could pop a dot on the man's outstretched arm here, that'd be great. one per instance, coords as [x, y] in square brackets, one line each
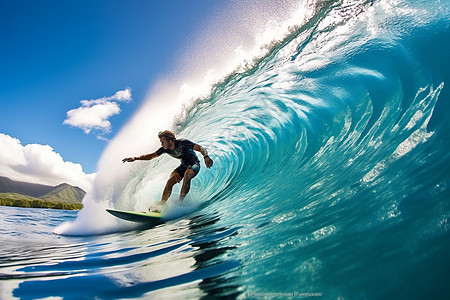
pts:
[142, 157]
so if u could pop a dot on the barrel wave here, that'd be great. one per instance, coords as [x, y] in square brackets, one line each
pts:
[331, 157]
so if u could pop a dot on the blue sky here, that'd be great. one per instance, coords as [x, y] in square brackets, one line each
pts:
[55, 54]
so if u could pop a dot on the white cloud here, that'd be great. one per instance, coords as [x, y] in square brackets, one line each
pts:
[92, 117]
[94, 114]
[124, 95]
[39, 164]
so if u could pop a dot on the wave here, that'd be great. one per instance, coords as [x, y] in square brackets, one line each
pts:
[330, 148]
[345, 107]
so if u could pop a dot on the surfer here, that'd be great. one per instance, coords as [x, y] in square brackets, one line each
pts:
[190, 165]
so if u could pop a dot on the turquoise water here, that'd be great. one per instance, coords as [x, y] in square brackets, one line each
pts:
[331, 178]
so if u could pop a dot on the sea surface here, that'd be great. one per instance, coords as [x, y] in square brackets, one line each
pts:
[331, 178]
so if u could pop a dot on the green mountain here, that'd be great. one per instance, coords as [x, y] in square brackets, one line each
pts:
[65, 193]
[30, 189]
[24, 194]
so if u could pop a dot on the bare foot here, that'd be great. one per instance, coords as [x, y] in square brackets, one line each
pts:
[156, 208]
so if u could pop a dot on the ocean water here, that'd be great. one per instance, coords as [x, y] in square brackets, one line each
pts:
[331, 177]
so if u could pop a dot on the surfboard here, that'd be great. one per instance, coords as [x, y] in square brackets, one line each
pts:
[135, 216]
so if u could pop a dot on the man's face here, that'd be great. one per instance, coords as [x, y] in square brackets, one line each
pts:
[166, 143]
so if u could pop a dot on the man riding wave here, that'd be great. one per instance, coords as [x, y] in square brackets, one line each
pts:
[183, 150]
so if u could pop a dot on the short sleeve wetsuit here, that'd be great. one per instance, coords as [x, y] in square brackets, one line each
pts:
[184, 150]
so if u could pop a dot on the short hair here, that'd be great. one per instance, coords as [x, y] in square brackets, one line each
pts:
[169, 135]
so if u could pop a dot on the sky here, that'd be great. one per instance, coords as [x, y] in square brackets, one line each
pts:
[73, 72]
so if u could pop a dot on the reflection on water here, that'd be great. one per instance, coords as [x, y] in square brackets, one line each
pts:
[181, 258]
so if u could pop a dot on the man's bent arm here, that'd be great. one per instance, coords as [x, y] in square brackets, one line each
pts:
[201, 150]
[208, 160]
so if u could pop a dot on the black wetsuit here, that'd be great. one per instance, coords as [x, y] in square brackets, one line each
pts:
[184, 151]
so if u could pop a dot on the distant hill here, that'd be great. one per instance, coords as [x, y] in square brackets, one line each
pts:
[17, 193]
[64, 193]
[30, 189]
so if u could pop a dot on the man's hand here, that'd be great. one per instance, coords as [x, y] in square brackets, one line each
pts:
[129, 159]
[208, 162]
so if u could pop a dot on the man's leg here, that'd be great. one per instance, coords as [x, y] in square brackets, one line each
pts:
[173, 179]
[188, 175]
